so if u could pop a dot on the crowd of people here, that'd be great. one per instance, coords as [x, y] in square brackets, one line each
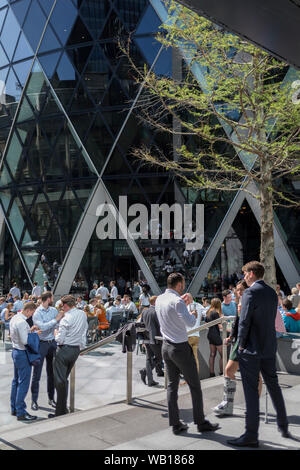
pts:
[62, 329]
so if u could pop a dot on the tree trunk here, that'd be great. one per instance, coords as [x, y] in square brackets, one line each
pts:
[267, 253]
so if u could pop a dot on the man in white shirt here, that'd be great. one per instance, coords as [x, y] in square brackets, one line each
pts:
[71, 336]
[103, 291]
[36, 291]
[19, 330]
[15, 291]
[114, 290]
[129, 305]
[174, 317]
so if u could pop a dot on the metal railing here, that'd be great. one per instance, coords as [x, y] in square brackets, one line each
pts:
[110, 339]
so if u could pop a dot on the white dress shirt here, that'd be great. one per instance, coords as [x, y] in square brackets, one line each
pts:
[19, 330]
[114, 292]
[131, 306]
[15, 292]
[173, 316]
[200, 311]
[73, 328]
[36, 291]
[103, 291]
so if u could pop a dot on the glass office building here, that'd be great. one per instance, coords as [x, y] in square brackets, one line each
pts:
[68, 124]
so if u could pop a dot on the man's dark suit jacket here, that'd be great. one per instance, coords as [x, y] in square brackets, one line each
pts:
[149, 318]
[256, 332]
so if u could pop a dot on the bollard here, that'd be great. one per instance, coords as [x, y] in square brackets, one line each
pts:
[72, 390]
[129, 378]
[224, 347]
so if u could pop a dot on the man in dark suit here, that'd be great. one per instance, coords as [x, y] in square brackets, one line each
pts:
[153, 348]
[257, 352]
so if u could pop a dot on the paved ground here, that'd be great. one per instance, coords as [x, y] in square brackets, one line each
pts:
[100, 380]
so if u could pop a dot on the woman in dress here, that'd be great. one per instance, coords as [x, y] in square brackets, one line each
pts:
[214, 336]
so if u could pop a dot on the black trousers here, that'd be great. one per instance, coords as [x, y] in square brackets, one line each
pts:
[153, 360]
[65, 359]
[250, 366]
[47, 351]
[179, 359]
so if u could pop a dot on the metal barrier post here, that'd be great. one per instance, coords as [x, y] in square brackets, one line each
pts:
[129, 378]
[224, 348]
[72, 390]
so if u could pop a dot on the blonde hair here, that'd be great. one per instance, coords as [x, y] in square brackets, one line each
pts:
[215, 305]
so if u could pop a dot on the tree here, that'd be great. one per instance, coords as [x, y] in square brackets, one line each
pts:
[228, 84]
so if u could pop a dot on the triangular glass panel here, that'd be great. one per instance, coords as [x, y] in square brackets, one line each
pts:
[63, 18]
[79, 34]
[20, 9]
[22, 70]
[98, 143]
[51, 127]
[94, 14]
[113, 27]
[3, 75]
[13, 88]
[130, 14]
[149, 47]
[10, 34]
[49, 63]
[36, 88]
[97, 75]
[49, 41]
[3, 57]
[46, 5]
[41, 216]
[82, 123]
[149, 23]
[36, 17]
[114, 120]
[81, 99]
[23, 50]
[66, 158]
[25, 111]
[13, 155]
[2, 16]
[115, 95]
[5, 178]
[117, 165]
[65, 80]
[67, 212]
[16, 218]
[79, 57]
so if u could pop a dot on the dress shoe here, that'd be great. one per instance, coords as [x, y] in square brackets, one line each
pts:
[179, 428]
[27, 417]
[153, 383]
[51, 415]
[143, 375]
[207, 426]
[13, 413]
[243, 441]
[52, 403]
[34, 406]
[285, 432]
[160, 374]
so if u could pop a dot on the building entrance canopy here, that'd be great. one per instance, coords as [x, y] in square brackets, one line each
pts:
[271, 24]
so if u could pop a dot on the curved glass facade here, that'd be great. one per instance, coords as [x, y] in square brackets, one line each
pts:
[68, 126]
